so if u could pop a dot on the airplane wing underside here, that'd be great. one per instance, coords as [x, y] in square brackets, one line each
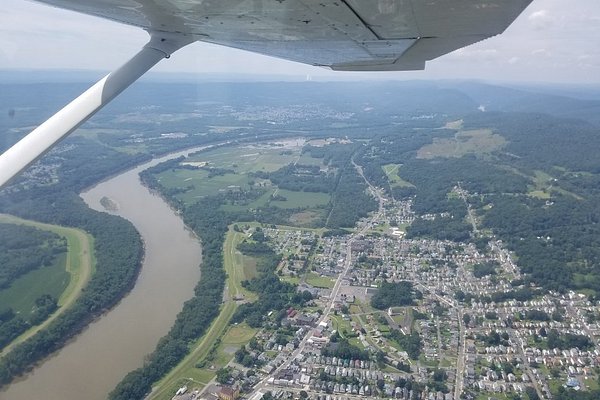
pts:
[354, 35]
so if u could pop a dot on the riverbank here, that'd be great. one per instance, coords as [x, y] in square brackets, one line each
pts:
[118, 341]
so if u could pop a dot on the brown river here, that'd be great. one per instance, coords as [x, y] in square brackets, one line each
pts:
[91, 365]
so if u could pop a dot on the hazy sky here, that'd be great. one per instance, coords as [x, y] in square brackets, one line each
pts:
[552, 41]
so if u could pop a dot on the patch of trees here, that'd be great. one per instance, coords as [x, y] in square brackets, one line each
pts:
[255, 249]
[343, 349]
[245, 358]
[437, 382]
[25, 248]
[411, 343]
[452, 228]
[558, 245]
[351, 201]
[537, 315]
[484, 269]
[393, 294]
[335, 154]
[522, 294]
[213, 171]
[273, 294]
[570, 394]
[494, 338]
[567, 341]
[336, 232]
[300, 178]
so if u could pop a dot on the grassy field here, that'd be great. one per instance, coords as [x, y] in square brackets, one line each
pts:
[391, 171]
[248, 158]
[306, 159]
[23, 292]
[543, 187]
[319, 281]
[238, 267]
[77, 268]
[301, 199]
[480, 141]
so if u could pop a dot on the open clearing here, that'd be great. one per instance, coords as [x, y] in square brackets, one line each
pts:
[301, 199]
[79, 264]
[391, 171]
[319, 281]
[249, 158]
[23, 292]
[543, 187]
[479, 141]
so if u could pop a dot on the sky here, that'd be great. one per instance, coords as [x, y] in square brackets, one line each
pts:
[553, 41]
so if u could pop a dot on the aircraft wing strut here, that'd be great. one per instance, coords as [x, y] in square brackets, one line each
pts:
[44, 137]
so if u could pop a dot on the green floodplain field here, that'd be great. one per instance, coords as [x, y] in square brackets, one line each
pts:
[64, 279]
[240, 162]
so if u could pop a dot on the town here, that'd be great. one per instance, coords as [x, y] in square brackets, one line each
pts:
[451, 321]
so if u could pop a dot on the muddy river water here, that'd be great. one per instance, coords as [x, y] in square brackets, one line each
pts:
[92, 364]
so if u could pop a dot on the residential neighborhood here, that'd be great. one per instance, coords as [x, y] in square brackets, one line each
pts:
[480, 331]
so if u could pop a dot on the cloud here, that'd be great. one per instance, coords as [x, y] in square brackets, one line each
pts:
[541, 19]
[541, 53]
[549, 42]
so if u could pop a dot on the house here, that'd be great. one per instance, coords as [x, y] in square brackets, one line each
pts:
[228, 393]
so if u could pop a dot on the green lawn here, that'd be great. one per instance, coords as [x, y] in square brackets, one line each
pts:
[306, 159]
[319, 281]
[23, 292]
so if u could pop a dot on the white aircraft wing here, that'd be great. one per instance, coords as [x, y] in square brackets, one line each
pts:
[348, 35]
[355, 35]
